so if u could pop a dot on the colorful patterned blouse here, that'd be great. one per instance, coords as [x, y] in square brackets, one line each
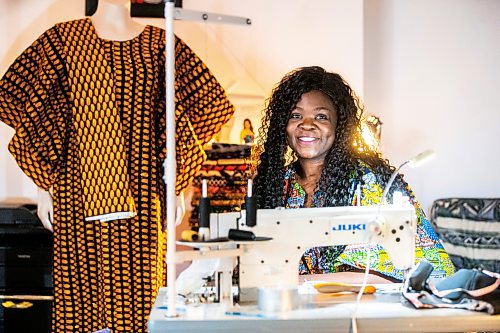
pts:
[320, 260]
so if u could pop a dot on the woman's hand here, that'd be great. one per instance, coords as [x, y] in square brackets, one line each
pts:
[45, 209]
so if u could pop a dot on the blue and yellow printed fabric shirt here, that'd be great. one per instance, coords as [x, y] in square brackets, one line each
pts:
[321, 260]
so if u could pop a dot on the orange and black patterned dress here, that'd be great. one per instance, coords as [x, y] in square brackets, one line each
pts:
[89, 122]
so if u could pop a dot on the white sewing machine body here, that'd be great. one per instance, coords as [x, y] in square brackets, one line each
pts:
[293, 231]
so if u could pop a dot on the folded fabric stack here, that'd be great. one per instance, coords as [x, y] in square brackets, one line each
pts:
[226, 170]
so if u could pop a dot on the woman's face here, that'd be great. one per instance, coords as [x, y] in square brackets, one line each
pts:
[246, 124]
[311, 127]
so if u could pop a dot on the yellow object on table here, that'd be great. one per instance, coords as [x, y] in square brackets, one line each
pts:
[335, 287]
[22, 305]
[189, 236]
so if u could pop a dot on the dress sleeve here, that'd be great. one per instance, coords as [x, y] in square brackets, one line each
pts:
[200, 94]
[201, 109]
[34, 101]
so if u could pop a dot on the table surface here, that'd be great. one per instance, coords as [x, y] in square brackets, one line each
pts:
[380, 312]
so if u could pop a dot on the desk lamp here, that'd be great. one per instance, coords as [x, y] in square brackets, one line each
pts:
[414, 162]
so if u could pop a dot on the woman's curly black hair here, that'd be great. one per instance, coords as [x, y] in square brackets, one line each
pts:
[342, 161]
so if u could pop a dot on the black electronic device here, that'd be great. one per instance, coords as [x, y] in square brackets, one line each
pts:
[26, 287]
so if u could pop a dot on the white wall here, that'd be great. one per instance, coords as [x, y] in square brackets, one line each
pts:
[432, 73]
[284, 35]
[430, 69]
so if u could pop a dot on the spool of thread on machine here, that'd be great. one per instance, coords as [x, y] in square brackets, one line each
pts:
[189, 236]
[250, 206]
[204, 227]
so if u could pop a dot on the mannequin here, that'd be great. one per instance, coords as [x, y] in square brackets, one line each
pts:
[45, 208]
[87, 102]
[111, 21]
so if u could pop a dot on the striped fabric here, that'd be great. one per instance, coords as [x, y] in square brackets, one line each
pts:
[73, 98]
[470, 231]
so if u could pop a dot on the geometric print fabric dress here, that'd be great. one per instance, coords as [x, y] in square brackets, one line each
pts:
[89, 120]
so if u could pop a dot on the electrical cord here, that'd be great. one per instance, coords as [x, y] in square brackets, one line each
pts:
[413, 162]
[354, 326]
[372, 229]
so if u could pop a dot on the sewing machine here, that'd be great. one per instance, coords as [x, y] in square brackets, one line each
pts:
[275, 262]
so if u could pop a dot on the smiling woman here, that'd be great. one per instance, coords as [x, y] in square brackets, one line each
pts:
[310, 134]
[311, 154]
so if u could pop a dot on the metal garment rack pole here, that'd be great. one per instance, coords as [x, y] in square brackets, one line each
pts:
[172, 13]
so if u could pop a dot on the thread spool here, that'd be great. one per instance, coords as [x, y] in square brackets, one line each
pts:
[251, 211]
[204, 212]
[250, 206]
[189, 236]
[204, 227]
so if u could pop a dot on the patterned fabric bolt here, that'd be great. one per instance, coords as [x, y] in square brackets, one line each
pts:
[470, 231]
[89, 121]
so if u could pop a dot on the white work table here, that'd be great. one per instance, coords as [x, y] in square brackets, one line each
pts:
[380, 312]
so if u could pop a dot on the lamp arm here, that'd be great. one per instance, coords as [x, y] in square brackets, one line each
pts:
[389, 183]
